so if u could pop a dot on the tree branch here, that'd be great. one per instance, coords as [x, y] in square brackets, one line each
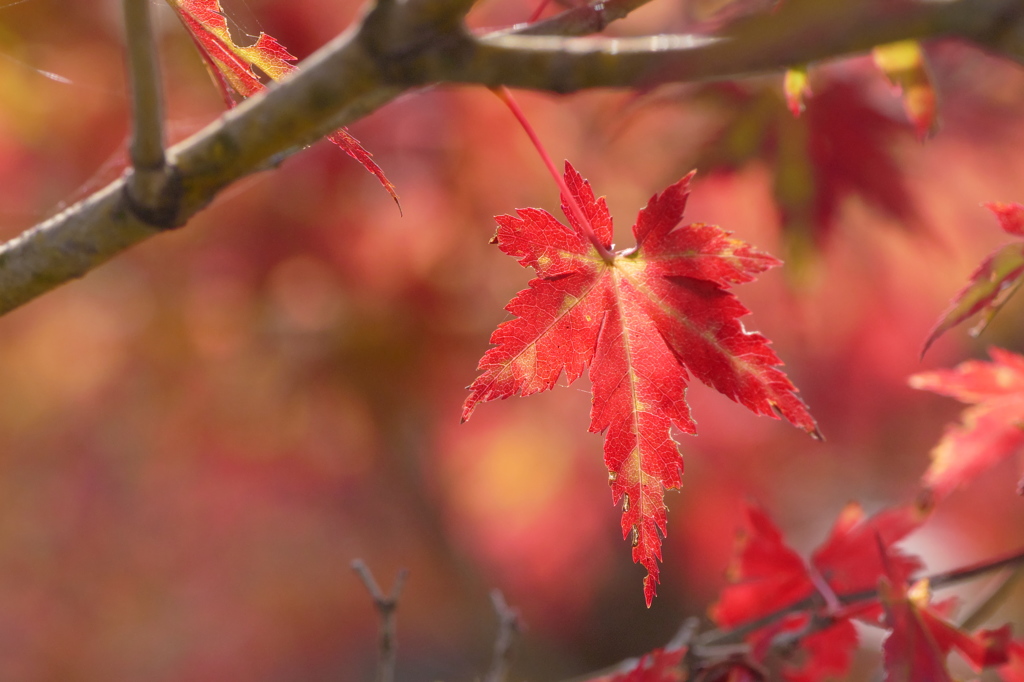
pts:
[801, 31]
[399, 46]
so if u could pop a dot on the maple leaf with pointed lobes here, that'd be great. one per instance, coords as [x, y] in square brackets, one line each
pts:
[232, 68]
[990, 431]
[992, 284]
[642, 323]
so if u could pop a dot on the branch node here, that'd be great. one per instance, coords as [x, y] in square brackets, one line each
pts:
[154, 196]
[386, 605]
[510, 626]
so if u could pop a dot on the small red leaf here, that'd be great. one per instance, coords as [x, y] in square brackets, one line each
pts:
[642, 324]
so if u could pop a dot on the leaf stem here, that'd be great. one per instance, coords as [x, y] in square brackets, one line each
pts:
[537, 12]
[568, 197]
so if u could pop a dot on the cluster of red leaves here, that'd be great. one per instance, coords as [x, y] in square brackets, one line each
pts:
[814, 603]
[236, 68]
[990, 430]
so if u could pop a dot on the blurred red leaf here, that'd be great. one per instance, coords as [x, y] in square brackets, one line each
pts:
[904, 64]
[234, 68]
[642, 323]
[992, 284]
[660, 665]
[768, 576]
[990, 431]
[1013, 671]
[920, 638]
[841, 146]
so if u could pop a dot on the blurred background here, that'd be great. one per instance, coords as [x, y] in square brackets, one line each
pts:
[198, 438]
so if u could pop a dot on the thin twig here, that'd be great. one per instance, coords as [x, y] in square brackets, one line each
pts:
[579, 21]
[148, 182]
[386, 606]
[991, 599]
[509, 627]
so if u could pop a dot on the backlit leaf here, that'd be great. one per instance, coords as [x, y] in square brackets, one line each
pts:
[642, 323]
[236, 69]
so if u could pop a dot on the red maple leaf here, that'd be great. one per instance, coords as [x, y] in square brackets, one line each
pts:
[768, 577]
[236, 68]
[989, 431]
[992, 284]
[921, 637]
[642, 323]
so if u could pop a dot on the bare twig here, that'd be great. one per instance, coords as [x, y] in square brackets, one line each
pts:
[509, 627]
[993, 597]
[386, 606]
[148, 185]
[815, 30]
[147, 146]
[684, 636]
